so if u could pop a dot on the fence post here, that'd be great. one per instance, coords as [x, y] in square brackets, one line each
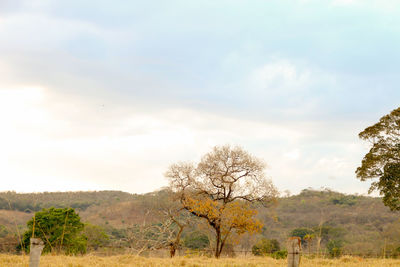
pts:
[36, 248]
[294, 249]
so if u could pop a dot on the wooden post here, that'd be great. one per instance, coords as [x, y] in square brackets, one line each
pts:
[36, 248]
[294, 249]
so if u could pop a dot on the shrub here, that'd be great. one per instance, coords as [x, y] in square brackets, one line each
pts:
[60, 230]
[281, 254]
[196, 240]
[265, 246]
[335, 248]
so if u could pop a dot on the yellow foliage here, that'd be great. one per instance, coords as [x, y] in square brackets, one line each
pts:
[235, 217]
[205, 206]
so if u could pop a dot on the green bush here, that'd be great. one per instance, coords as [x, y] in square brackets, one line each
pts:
[265, 247]
[344, 200]
[96, 236]
[281, 254]
[335, 248]
[196, 240]
[60, 230]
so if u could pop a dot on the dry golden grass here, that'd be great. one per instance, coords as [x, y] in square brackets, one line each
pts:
[128, 260]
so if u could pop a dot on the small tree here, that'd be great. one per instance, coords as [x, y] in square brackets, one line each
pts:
[383, 159]
[220, 190]
[60, 230]
[169, 210]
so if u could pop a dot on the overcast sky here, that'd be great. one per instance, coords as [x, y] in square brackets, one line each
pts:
[104, 95]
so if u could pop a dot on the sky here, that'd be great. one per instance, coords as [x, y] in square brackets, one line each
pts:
[105, 95]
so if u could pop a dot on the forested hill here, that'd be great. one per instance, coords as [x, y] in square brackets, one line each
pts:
[29, 202]
[362, 223]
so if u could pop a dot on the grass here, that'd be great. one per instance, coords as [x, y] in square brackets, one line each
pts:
[129, 260]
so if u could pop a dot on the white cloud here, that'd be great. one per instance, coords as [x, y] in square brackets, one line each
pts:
[280, 75]
[45, 147]
[292, 154]
[86, 139]
[59, 142]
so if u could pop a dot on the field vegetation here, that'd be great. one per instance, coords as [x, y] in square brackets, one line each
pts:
[129, 260]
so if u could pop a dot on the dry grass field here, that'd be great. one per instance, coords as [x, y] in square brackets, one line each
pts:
[128, 260]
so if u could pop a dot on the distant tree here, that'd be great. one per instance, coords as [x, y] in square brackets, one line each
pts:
[219, 190]
[149, 236]
[302, 233]
[383, 159]
[60, 230]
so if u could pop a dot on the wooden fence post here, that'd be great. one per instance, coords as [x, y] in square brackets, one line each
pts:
[294, 249]
[36, 248]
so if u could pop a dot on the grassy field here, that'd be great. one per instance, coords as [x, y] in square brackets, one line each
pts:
[127, 260]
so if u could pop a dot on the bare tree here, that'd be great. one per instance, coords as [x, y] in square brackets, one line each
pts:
[144, 237]
[180, 220]
[220, 189]
[165, 231]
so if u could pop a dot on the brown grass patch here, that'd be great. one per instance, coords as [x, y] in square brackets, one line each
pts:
[129, 260]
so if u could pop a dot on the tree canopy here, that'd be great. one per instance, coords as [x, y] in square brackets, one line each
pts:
[383, 159]
[60, 230]
[220, 189]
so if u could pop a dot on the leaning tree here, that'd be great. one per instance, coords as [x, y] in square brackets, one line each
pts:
[382, 162]
[221, 188]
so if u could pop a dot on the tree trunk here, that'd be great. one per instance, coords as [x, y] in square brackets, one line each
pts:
[217, 248]
[172, 250]
[175, 244]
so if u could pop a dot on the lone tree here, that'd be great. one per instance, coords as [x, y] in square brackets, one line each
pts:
[383, 159]
[220, 190]
[60, 229]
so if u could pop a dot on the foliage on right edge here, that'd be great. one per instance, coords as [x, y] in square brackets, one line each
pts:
[383, 159]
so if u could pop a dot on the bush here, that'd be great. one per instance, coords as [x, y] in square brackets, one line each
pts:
[96, 236]
[196, 240]
[335, 248]
[344, 200]
[265, 246]
[281, 254]
[60, 230]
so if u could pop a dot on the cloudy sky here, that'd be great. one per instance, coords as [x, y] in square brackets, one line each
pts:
[106, 94]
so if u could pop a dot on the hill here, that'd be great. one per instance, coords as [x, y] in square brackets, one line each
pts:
[362, 224]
